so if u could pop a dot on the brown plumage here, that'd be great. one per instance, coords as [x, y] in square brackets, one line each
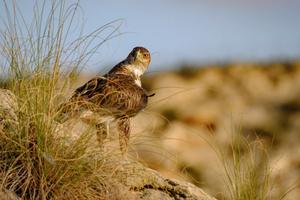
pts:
[117, 95]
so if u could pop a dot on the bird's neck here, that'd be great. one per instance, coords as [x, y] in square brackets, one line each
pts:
[137, 71]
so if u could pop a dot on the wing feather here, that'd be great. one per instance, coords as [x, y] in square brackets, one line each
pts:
[116, 93]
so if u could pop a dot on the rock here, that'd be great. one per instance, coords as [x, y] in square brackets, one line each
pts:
[7, 195]
[154, 195]
[151, 185]
[8, 106]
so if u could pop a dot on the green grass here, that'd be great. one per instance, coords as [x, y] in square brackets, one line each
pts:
[39, 63]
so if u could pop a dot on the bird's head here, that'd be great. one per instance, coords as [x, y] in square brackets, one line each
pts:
[141, 55]
[140, 58]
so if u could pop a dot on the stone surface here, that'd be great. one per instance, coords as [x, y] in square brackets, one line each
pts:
[7, 195]
[8, 106]
[151, 185]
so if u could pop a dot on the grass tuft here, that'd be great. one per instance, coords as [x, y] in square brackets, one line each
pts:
[39, 61]
[246, 169]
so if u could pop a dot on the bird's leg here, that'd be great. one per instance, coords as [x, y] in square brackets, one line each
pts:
[124, 133]
[102, 130]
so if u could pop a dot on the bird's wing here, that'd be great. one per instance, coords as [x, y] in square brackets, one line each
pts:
[90, 87]
[115, 93]
[97, 84]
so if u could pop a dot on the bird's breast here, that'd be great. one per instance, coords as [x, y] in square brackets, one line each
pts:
[138, 82]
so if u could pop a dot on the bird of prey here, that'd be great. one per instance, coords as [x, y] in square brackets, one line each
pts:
[118, 95]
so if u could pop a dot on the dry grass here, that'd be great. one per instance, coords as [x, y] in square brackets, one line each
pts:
[35, 164]
[247, 171]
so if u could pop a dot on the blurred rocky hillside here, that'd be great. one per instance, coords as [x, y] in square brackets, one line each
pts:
[196, 109]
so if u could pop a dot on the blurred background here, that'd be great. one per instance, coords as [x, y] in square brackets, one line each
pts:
[219, 69]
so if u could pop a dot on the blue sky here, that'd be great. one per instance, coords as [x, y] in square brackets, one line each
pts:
[195, 31]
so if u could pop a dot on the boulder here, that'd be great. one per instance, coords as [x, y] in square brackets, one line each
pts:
[149, 184]
[8, 108]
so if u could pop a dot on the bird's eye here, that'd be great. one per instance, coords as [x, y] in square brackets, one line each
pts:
[146, 55]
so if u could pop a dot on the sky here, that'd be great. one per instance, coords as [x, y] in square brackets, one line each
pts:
[194, 31]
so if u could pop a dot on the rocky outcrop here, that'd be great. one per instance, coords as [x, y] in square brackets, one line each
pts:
[8, 107]
[148, 184]
[135, 181]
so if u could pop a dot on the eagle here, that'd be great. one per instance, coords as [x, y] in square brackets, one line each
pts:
[116, 96]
